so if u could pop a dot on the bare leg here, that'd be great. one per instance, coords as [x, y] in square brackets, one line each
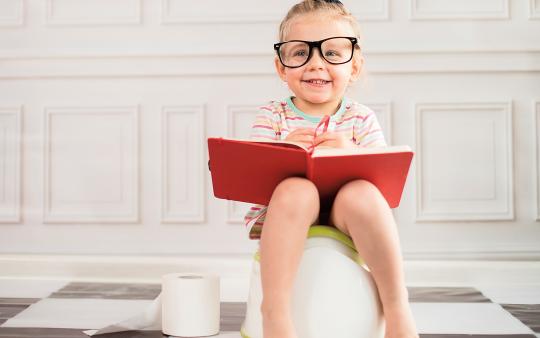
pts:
[293, 208]
[361, 211]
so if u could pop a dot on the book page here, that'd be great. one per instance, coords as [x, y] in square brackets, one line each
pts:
[327, 151]
[288, 144]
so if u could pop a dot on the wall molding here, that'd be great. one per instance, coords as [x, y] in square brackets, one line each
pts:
[14, 65]
[168, 17]
[498, 12]
[233, 111]
[384, 109]
[235, 214]
[52, 19]
[17, 20]
[380, 13]
[129, 203]
[190, 215]
[534, 9]
[536, 112]
[506, 197]
[10, 207]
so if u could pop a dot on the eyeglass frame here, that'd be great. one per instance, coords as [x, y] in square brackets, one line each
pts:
[317, 44]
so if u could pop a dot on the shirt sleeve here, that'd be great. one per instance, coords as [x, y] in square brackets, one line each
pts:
[265, 127]
[368, 131]
[254, 220]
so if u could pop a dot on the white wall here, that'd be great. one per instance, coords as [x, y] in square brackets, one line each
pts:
[105, 107]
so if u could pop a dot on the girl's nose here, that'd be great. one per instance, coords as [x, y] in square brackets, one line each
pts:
[316, 60]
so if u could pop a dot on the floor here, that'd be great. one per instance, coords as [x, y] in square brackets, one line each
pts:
[60, 309]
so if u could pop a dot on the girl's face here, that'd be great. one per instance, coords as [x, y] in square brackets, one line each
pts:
[311, 94]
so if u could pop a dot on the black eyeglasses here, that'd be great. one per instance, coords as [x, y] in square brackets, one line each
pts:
[336, 50]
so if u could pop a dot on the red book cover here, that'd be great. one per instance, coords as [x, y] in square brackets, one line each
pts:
[249, 171]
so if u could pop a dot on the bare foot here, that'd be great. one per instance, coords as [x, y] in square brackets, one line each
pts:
[278, 325]
[400, 322]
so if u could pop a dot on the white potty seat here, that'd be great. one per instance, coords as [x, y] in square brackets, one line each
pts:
[334, 295]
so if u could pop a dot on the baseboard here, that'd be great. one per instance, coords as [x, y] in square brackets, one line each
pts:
[234, 270]
[471, 273]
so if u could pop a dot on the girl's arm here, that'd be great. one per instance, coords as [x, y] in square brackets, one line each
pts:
[367, 131]
[265, 127]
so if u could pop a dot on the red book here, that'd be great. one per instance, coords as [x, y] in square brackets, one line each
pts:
[248, 171]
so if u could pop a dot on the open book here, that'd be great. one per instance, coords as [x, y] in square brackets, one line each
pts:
[248, 171]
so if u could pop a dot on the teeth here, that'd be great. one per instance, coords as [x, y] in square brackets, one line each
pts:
[318, 81]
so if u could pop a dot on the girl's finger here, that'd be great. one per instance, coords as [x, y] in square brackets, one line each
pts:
[324, 137]
[326, 143]
[300, 138]
[306, 138]
[302, 131]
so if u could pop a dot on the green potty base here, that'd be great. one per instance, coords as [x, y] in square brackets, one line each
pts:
[243, 334]
[326, 231]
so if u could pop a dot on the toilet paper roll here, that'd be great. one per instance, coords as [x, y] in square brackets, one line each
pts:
[190, 305]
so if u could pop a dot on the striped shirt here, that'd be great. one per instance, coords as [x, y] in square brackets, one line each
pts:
[277, 119]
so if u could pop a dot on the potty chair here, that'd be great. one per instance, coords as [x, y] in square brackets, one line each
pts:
[334, 295]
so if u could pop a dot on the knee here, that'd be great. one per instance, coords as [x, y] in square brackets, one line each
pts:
[360, 195]
[296, 192]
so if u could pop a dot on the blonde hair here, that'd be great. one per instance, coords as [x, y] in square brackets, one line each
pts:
[331, 8]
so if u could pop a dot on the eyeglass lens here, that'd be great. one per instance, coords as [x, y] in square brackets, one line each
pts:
[335, 51]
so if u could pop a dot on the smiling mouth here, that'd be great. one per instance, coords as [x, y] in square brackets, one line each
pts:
[317, 82]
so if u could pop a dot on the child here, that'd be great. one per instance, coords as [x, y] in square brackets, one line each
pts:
[318, 57]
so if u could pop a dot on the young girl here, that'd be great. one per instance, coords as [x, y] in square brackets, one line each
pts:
[318, 56]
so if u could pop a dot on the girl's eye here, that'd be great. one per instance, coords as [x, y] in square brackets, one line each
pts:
[300, 52]
[332, 53]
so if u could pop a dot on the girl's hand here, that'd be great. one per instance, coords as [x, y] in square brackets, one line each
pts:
[333, 140]
[301, 135]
